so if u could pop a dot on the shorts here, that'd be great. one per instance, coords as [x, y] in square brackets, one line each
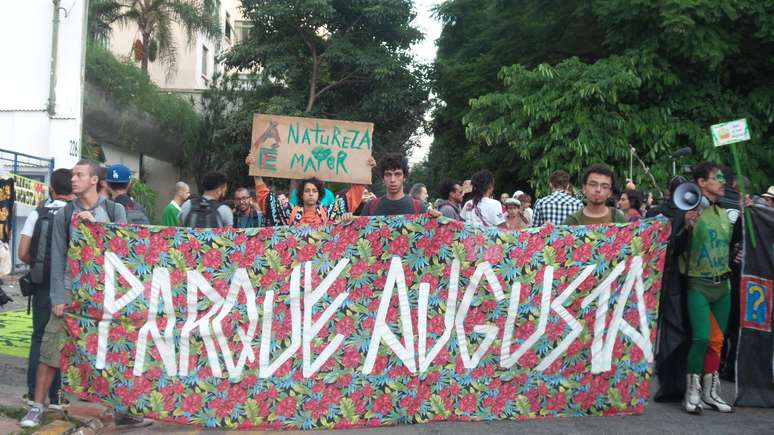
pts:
[53, 342]
[713, 291]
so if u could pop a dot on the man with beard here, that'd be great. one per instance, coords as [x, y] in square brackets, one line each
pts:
[598, 181]
[704, 262]
[450, 199]
[246, 216]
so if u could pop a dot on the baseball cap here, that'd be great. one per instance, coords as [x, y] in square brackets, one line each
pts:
[118, 174]
[769, 193]
[518, 193]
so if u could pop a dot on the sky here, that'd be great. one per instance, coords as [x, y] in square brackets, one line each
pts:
[425, 52]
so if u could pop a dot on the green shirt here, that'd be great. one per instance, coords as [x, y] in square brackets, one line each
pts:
[579, 218]
[171, 212]
[708, 256]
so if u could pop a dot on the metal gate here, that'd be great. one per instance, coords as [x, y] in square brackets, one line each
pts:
[29, 167]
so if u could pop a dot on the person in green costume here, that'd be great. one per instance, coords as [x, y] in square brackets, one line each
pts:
[705, 267]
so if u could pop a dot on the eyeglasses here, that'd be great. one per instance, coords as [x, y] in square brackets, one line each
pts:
[242, 199]
[594, 185]
[719, 177]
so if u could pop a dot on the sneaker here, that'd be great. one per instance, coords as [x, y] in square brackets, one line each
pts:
[60, 406]
[126, 421]
[33, 417]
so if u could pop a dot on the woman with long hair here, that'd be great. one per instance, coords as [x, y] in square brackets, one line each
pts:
[310, 210]
[630, 203]
[481, 209]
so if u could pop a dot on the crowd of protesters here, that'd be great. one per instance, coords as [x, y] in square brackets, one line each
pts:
[102, 194]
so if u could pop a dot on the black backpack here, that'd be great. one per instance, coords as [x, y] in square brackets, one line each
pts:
[203, 214]
[40, 246]
[135, 213]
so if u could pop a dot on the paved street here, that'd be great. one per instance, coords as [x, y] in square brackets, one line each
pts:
[659, 418]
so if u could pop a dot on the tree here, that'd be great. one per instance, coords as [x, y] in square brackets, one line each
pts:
[339, 59]
[671, 70]
[478, 38]
[224, 130]
[154, 20]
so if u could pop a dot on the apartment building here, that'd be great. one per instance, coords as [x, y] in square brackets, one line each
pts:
[195, 62]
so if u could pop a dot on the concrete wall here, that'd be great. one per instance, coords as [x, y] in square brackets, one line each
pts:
[114, 155]
[25, 126]
[161, 177]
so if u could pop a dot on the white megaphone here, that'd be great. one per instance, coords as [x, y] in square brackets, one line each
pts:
[688, 197]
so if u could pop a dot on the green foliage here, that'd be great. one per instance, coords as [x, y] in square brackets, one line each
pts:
[654, 75]
[145, 196]
[342, 60]
[128, 86]
[92, 152]
[223, 135]
[478, 38]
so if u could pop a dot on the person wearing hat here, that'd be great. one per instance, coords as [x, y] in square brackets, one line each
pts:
[769, 196]
[526, 209]
[514, 220]
[118, 179]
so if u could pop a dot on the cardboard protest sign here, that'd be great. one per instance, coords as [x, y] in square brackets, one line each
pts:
[377, 322]
[331, 150]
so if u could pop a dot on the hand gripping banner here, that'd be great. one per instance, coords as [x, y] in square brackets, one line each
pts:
[380, 321]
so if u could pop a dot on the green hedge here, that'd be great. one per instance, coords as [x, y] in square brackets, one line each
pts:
[128, 85]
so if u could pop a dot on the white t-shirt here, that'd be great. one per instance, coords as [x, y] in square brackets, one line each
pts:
[527, 212]
[489, 214]
[29, 225]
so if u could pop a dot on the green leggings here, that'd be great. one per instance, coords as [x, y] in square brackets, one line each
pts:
[699, 308]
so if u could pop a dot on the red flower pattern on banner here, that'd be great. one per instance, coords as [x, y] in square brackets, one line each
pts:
[340, 394]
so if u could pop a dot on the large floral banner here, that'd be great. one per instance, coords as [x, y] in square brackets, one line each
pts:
[380, 321]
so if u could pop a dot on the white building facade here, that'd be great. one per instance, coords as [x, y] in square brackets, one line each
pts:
[195, 59]
[41, 92]
[36, 118]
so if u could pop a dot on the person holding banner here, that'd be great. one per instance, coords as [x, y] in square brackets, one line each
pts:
[88, 206]
[393, 168]
[598, 182]
[311, 211]
[705, 265]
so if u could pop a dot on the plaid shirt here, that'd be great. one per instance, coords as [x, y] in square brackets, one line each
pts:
[555, 208]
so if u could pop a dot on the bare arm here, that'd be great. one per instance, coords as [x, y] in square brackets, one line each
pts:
[24, 249]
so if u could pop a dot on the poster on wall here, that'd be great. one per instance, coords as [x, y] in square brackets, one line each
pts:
[381, 321]
[29, 192]
[7, 199]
